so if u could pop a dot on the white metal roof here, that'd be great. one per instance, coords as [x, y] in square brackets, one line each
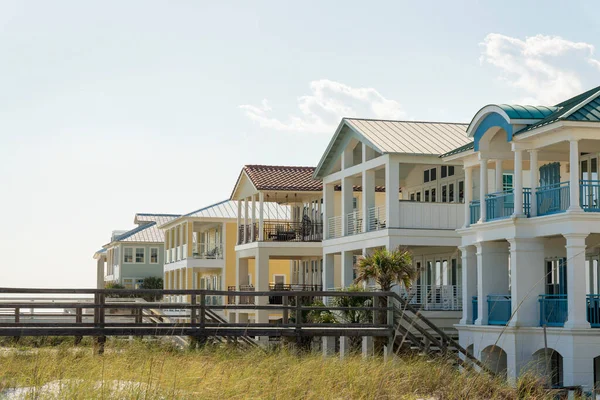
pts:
[411, 137]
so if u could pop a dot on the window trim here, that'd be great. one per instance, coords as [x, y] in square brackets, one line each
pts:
[132, 255]
[133, 252]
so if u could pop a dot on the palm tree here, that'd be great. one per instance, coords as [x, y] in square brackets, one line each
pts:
[386, 268]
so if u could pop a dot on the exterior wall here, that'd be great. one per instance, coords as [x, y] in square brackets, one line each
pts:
[276, 267]
[230, 242]
[140, 270]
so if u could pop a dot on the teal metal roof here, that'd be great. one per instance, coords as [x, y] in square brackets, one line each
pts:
[526, 112]
[461, 149]
[585, 112]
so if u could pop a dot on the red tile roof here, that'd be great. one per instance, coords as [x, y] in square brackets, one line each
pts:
[277, 177]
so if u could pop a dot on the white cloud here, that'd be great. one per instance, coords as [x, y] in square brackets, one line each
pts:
[322, 109]
[543, 67]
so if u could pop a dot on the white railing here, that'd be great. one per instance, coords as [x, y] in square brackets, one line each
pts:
[435, 297]
[334, 227]
[353, 223]
[376, 218]
[210, 251]
[421, 215]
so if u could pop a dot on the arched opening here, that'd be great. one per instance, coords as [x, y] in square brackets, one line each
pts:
[495, 359]
[548, 364]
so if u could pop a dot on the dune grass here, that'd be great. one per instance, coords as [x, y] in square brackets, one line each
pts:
[142, 370]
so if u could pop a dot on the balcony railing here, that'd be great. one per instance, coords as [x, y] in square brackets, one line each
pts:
[552, 199]
[209, 251]
[475, 210]
[553, 309]
[593, 310]
[499, 309]
[291, 287]
[475, 305]
[354, 223]
[283, 231]
[376, 218]
[589, 195]
[434, 297]
[501, 205]
[334, 227]
[434, 215]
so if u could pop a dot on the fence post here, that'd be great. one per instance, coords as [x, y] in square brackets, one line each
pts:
[99, 339]
[78, 320]
[392, 331]
[17, 315]
[298, 319]
[285, 309]
[193, 310]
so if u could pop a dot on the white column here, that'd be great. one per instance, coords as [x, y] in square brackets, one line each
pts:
[253, 205]
[239, 221]
[469, 281]
[492, 275]
[328, 267]
[576, 285]
[518, 183]
[392, 188]
[100, 273]
[534, 178]
[347, 269]
[346, 202]
[246, 220]
[241, 278]
[483, 187]
[328, 207]
[368, 196]
[468, 194]
[261, 218]
[498, 171]
[574, 176]
[527, 277]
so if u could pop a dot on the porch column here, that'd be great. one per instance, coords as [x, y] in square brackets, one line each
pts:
[328, 207]
[518, 198]
[261, 218]
[483, 187]
[534, 178]
[328, 266]
[246, 220]
[392, 188]
[261, 271]
[527, 270]
[100, 273]
[368, 196]
[468, 194]
[469, 282]
[239, 221]
[346, 203]
[347, 269]
[252, 231]
[574, 176]
[498, 171]
[241, 278]
[492, 275]
[576, 285]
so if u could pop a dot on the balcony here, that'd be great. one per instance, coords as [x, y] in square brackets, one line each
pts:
[552, 199]
[208, 251]
[291, 288]
[282, 231]
[475, 306]
[475, 210]
[593, 310]
[422, 215]
[499, 309]
[501, 205]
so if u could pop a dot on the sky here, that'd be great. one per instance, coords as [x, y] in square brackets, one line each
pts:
[109, 108]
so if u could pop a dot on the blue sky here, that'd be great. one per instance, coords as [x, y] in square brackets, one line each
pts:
[111, 108]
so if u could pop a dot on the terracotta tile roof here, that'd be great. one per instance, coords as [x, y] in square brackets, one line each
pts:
[276, 177]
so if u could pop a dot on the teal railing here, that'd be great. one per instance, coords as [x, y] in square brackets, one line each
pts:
[475, 210]
[499, 309]
[552, 199]
[589, 194]
[501, 205]
[593, 310]
[553, 309]
[475, 308]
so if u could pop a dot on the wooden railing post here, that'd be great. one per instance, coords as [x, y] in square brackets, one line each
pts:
[285, 304]
[17, 315]
[100, 338]
[193, 311]
[78, 320]
[202, 310]
[298, 320]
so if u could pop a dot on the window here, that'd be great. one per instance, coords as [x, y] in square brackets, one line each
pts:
[444, 172]
[418, 196]
[426, 176]
[139, 254]
[433, 195]
[354, 203]
[451, 170]
[128, 254]
[507, 182]
[154, 255]
[556, 276]
[412, 197]
[451, 192]
[432, 174]
[444, 194]
[426, 195]
[461, 191]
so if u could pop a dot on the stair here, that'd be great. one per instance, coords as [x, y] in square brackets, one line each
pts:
[415, 331]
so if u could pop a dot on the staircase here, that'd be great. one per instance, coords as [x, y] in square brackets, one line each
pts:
[413, 330]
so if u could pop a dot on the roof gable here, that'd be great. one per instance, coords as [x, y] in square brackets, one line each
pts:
[400, 137]
[276, 178]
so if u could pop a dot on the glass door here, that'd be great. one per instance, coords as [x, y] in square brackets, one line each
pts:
[590, 190]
